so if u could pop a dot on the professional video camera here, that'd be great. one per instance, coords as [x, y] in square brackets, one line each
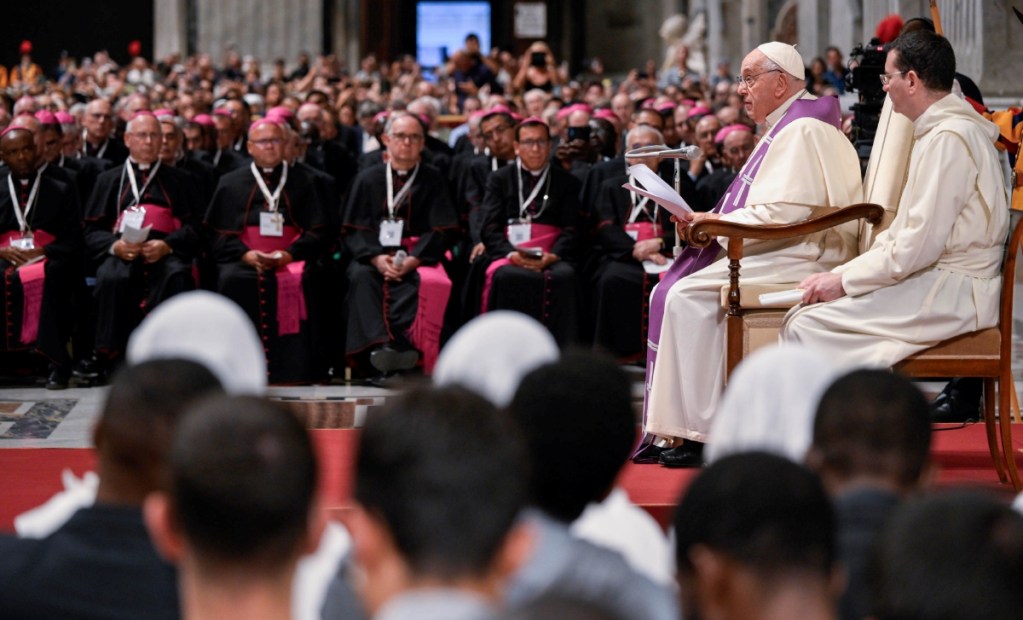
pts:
[867, 63]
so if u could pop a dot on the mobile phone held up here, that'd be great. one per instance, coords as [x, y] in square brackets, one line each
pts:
[538, 59]
[532, 253]
[579, 133]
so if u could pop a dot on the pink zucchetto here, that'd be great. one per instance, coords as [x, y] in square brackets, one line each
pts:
[724, 132]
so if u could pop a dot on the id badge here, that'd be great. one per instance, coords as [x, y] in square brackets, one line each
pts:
[390, 233]
[135, 217]
[24, 243]
[632, 233]
[519, 233]
[271, 225]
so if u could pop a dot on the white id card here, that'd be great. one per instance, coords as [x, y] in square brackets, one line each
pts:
[134, 218]
[271, 225]
[634, 234]
[390, 233]
[24, 243]
[519, 233]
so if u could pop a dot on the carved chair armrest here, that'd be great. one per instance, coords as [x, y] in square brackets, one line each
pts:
[703, 232]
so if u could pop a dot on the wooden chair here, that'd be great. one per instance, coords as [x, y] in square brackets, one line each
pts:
[985, 354]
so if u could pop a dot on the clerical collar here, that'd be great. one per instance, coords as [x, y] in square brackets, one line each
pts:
[401, 173]
[780, 111]
[140, 166]
[267, 170]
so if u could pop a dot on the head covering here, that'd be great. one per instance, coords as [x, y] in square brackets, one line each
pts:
[46, 117]
[786, 57]
[163, 112]
[770, 403]
[725, 131]
[203, 119]
[25, 47]
[493, 352]
[64, 118]
[135, 48]
[888, 28]
[696, 112]
[209, 329]
[607, 115]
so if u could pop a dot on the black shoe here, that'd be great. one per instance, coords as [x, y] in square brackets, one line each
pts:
[88, 369]
[57, 380]
[388, 360]
[954, 407]
[689, 454]
[648, 454]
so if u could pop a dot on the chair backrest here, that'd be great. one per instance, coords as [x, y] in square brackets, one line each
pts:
[1012, 250]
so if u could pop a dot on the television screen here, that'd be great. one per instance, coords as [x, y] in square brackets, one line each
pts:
[441, 28]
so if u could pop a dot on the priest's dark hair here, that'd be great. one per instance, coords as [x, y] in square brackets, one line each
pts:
[763, 511]
[955, 555]
[243, 478]
[445, 473]
[930, 55]
[875, 423]
[580, 426]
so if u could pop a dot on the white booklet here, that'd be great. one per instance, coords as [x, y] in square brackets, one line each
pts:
[135, 235]
[657, 190]
[791, 296]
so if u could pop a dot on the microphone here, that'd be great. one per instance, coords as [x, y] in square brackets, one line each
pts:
[661, 150]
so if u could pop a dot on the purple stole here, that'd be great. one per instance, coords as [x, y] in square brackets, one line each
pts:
[691, 260]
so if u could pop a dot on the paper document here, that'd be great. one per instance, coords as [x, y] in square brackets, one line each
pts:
[135, 235]
[654, 269]
[792, 296]
[657, 190]
[32, 261]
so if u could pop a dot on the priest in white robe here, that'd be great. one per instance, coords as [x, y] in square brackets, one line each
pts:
[935, 272]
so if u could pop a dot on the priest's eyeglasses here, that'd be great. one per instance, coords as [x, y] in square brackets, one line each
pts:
[407, 137]
[265, 142]
[748, 80]
[886, 78]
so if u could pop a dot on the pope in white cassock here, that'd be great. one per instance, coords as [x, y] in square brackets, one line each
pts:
[934, 273]
[803, 167]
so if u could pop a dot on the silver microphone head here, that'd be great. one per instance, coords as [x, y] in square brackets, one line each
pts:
[654, 150]
[661, 150]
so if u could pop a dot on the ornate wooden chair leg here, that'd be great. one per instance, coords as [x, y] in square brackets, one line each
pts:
[992, 432]
[1005, 421]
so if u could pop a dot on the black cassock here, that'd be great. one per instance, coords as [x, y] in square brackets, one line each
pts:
[127, 290]
[55, 213]
[382, 312]
[712, 187]
[552, 295]
[236, 206]
[620, 286]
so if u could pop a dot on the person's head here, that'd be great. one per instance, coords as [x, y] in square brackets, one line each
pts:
[310, 112]
[403, 138]
[491, 353]
[498, 130]
[603, 136]
[136, 427]
[224, 340]
[640, 136]
[647, 116]
[173, 139]
[737, 144]
[577, 417]
[683, 129]
[18, 151]
[623, 107]
[871, 426]
[919, 69]
[224, 129]
[31, 123]
[243, 478]
[535, 101]
[266, 143]
[952, 555]
[834, 56]
[770, 75]
[440, 478]
[98, 120]
[53, 141]
[756, 518]
[533, 144]
[143, 138]
[795, 377]
[241, 114]
[707, 129]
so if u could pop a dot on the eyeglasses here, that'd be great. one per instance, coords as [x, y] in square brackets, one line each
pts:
[533, 144]
[493, 133]
[268, 142]
[407, 137]
[140, 135]
[886, 78]
[749, 79]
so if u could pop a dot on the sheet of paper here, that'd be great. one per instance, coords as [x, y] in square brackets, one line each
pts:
[657, 190]
[654, 269]
[32, 261]
[792, 296]
[135, 235]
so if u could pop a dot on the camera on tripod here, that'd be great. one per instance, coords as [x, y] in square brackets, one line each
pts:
[865, 79]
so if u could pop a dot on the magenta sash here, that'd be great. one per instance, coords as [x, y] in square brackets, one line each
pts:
[33, 278]
[644, 230]
[434, 293]
[160, 218]
[824, 109]
[541, 236]
[291, 306]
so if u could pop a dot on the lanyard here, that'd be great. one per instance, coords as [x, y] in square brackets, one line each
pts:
[274, 198]
[134, 184]
[637, 207]
[543, 181]
[392, 200]
[32, 194]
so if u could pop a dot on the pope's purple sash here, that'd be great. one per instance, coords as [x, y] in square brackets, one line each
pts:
[691, 260]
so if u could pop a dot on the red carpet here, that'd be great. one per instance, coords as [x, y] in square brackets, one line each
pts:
[28, 476]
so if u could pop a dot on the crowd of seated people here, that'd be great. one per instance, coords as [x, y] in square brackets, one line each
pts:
[287, 193]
